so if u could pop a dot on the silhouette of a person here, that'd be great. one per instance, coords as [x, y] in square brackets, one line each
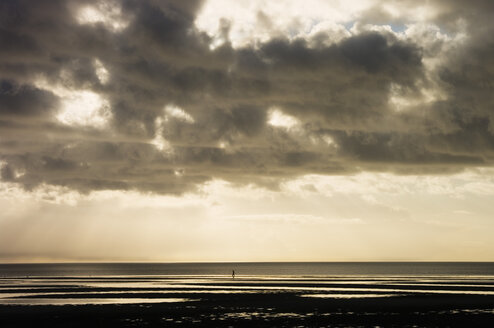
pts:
[233, 274]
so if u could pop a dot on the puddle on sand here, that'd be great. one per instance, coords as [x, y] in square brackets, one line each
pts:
[87, 301]
[349, 295]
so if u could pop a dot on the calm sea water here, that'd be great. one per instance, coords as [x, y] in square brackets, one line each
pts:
[264, 268]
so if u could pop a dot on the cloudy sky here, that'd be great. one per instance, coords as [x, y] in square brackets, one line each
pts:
[220, 130]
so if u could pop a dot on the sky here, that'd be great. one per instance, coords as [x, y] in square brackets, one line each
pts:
[231, 130]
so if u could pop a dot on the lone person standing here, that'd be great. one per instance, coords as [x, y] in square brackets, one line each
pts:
[233, 274]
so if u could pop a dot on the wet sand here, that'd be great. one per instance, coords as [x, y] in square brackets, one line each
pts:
[247, 302]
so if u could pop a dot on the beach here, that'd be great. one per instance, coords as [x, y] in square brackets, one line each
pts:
[247, 300]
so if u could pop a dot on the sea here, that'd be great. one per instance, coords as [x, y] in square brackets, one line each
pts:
[250, 269]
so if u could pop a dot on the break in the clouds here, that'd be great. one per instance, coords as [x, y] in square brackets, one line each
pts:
[366, 216]
[163, 96]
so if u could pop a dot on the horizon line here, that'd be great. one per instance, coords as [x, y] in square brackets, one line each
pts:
[246, 262]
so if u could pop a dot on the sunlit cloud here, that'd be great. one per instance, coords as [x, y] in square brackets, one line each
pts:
[84, 108]
[79, 107]
[277, 118]
[159, 141]
[101, 71]
[400, 101]
[258, 20]
[178, 113]
[107, 13]
[293, 218]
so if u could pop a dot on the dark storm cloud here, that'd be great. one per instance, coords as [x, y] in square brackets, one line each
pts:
[25, 100]
[339, 92]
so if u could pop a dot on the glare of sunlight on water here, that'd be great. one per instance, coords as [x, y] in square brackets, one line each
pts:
[85, 301]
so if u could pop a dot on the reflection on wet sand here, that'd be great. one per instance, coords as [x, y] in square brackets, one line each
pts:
[86, 301]
[349, 295]
[146, 289]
